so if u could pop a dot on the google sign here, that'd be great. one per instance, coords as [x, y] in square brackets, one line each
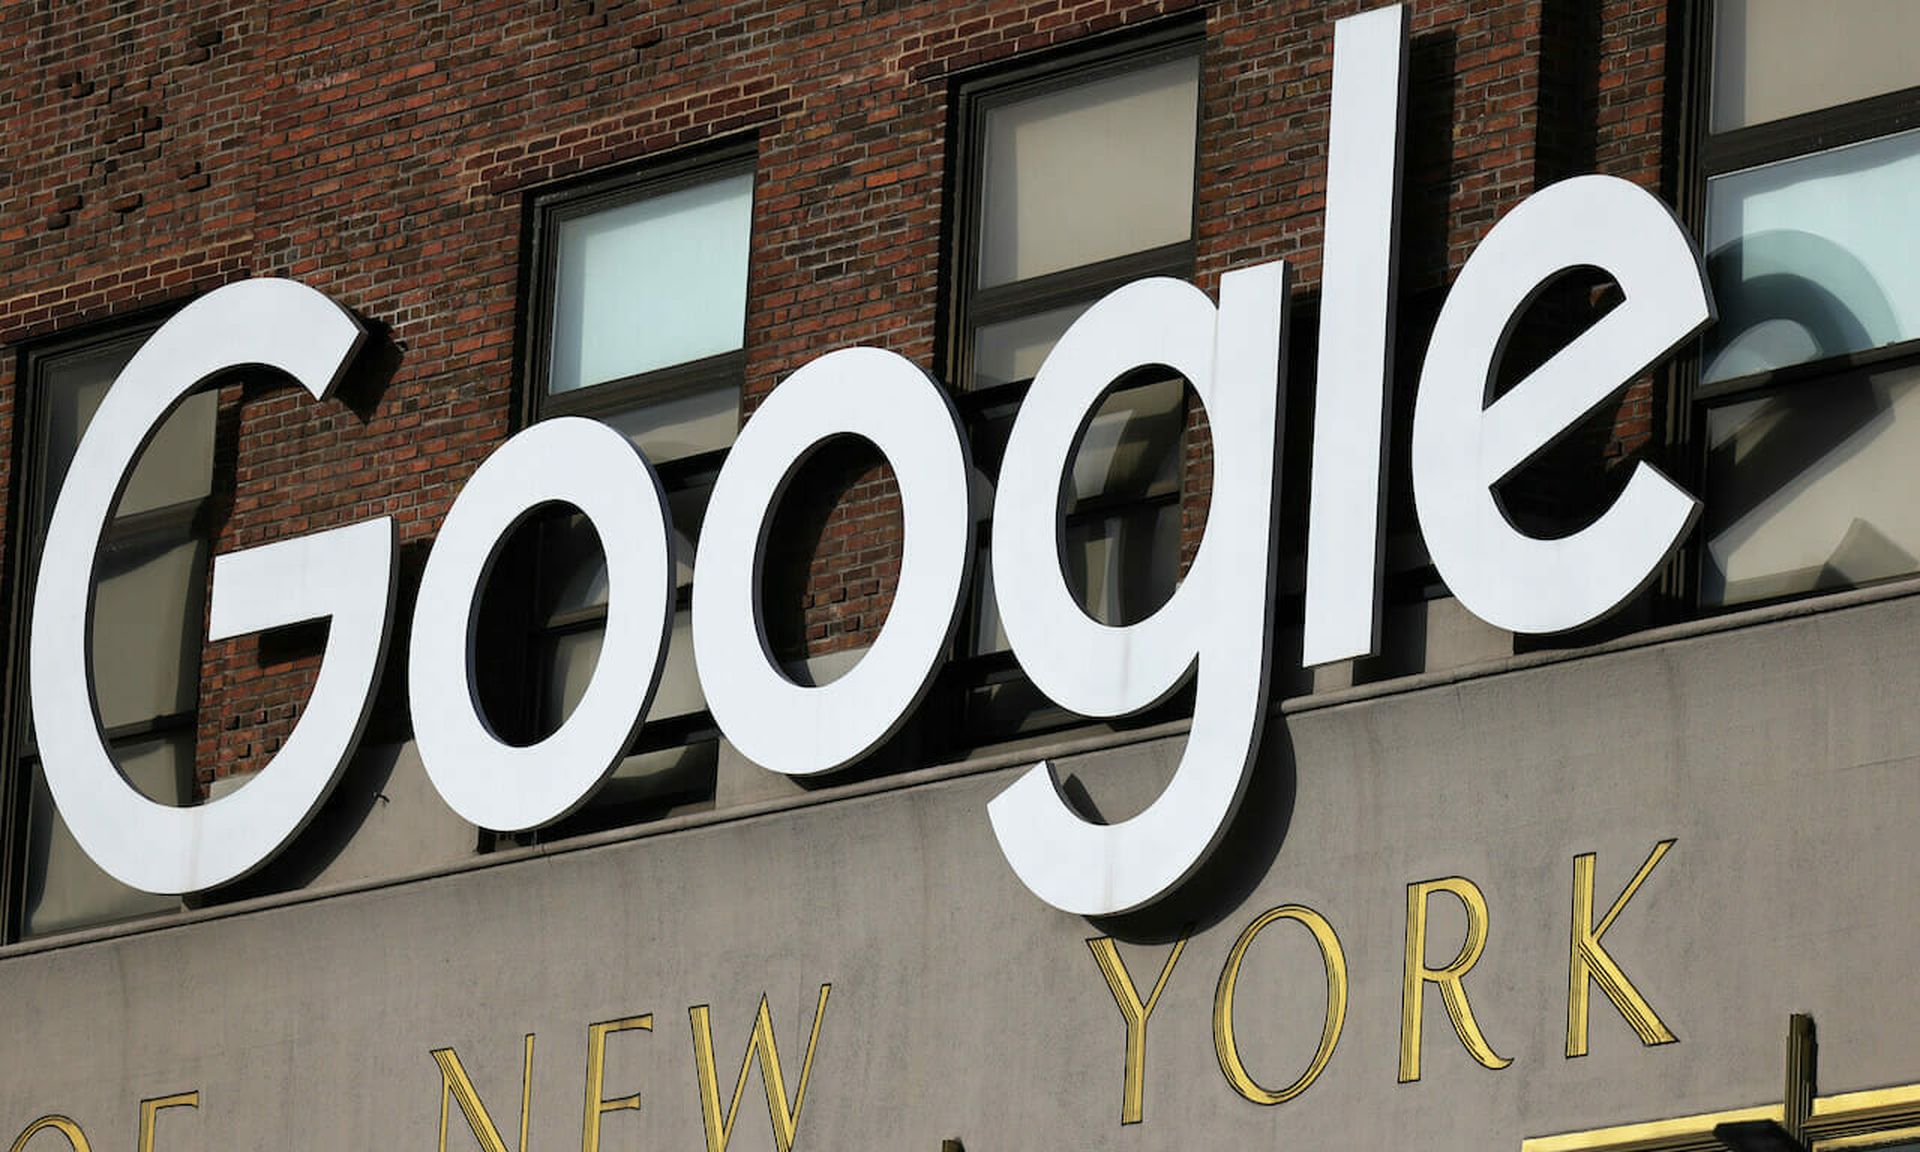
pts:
[1217, 627]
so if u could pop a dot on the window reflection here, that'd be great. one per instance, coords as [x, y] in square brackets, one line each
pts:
[1812, 487]
[1813, 257]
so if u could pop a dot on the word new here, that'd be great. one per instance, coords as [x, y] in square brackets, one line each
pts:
[456, 1086]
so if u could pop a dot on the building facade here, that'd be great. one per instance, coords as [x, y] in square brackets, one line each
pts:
[1591, 889]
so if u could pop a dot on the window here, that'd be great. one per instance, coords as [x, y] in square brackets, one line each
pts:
[149, 611]
[637, 318]
[1075, 177]
[1810, 381]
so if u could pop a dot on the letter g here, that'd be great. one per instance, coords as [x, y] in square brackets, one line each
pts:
[344, 575]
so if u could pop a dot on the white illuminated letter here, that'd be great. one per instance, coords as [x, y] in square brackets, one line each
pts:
[774, 722]
[1351, 394]
[345, 575]
[1463, 445]
[593, 468]
[1218, 623]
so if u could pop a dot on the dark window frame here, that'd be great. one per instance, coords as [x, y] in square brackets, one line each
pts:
[544, 210]
[967, 308]
[548, 207]
[1707, 154]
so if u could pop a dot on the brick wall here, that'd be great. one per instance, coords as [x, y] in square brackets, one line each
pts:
[381, 153]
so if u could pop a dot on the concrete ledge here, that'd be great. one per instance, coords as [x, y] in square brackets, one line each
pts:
[1665, 634]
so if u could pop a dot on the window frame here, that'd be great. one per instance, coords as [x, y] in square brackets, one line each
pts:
[544, 209]
[550, 206]
[29, 506]
[1809, 133]
[968, 308]
[974, 97]
[1706, 155]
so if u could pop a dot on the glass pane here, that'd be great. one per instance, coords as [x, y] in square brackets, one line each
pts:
[1131, 447]
[1777, 58]
[684, 426]
[688, 507]
[679, 693]
[988, 635]
[1013, 349]
[74, 385]
[1012, 707]
[1813, 257]
[574, 568]
[65, 889]
[684, 771]
[176, 467]
[1130, 450]
[1123, 567]
[1811, 488]
[575, 654]
[1082, 174]
[147, 622]
[987, 434]
[649, 284]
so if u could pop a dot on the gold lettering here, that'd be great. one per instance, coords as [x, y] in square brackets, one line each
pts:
[1135, 1013]
[60, 1124]
[1335, 960]
[597, 1106]
[1589, 963]
[785, 1120]
[150, 1111]
[1452, 991]
[456, 1085]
